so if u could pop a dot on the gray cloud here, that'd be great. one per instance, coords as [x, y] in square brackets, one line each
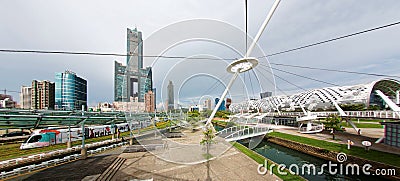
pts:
[99, 26]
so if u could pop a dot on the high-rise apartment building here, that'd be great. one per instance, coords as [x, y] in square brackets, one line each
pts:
[26, 97]
[132, 80]
[170, 93]
[228, 103]
[42, 94]
[70, 91]
[207, 104]
[149, 101]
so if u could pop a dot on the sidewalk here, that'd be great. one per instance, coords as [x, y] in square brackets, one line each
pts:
[232, 165]
[368, 134]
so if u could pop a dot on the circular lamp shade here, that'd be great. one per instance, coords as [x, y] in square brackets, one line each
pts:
[242, 65]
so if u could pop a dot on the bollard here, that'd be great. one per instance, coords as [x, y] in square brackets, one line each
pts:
[130, 141]
[69, 144]
[83, 153]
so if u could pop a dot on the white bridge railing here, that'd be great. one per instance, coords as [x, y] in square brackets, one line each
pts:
[354, 114]
[247, 132]
[228, 131]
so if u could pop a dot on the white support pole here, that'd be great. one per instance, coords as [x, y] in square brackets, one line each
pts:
[397, 97]
[222, 97]
[269, 16]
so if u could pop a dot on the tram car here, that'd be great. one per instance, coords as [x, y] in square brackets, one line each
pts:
[52, 136]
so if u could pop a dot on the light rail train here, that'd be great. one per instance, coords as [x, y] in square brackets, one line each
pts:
[52, 136]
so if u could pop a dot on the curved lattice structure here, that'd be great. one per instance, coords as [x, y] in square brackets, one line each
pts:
[321, 98]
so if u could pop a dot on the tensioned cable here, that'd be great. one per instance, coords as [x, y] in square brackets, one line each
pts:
[277, 87]
[321, 81]
[333, 70]
[183, 57]
[284, 79]
[161, 56]
[333, 39]
[251, 84]
[200, 58]
[215, 85]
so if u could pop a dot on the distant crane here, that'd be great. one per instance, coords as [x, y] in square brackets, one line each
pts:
[5, 91]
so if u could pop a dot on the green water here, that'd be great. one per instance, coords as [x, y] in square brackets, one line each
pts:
[283, 155]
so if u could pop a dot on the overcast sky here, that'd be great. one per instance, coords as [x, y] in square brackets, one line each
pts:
[100, 26]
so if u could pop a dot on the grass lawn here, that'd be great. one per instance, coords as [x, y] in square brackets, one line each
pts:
[260, 159]
[388, 158]
[366, 120]
[362, 125]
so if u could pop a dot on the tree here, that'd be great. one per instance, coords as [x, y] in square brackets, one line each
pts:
[333, 124]
[222, 114]
[207, 140]
[352, 107]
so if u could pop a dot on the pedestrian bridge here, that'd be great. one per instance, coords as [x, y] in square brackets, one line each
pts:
[241, 132]
[350, 114]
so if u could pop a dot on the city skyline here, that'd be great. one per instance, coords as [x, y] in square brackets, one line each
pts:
[375, 52]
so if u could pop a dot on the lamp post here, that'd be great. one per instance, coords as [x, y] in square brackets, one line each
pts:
[84, 149]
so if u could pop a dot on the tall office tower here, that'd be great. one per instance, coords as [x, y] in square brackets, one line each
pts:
[170, 90]
[120, 85]
[132, 80]
[222, 106]
[134, 50]
[155, 98]
[207, 104]
[26, 97]
[42, 95]
[71, 91]
[149, 101]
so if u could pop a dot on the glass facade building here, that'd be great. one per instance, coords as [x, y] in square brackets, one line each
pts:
[392, 133]
[70, 91]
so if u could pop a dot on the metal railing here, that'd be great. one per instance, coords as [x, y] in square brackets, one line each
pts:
[354, 114]
[48, 163]
[313, 128]
[247, 133]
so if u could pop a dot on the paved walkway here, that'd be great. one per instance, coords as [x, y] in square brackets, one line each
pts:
[232, 165]
[184, 159]
[369, 134]
[229, 164]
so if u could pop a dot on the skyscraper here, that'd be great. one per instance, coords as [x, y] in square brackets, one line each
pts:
[42, 95]
[207, 104]
[71, 91]
[120, 85]
[26, 97]
[134, 49]
[171, 101]
[132, 80]
[222, 106]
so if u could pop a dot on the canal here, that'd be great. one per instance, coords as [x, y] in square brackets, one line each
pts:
[283, 155]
